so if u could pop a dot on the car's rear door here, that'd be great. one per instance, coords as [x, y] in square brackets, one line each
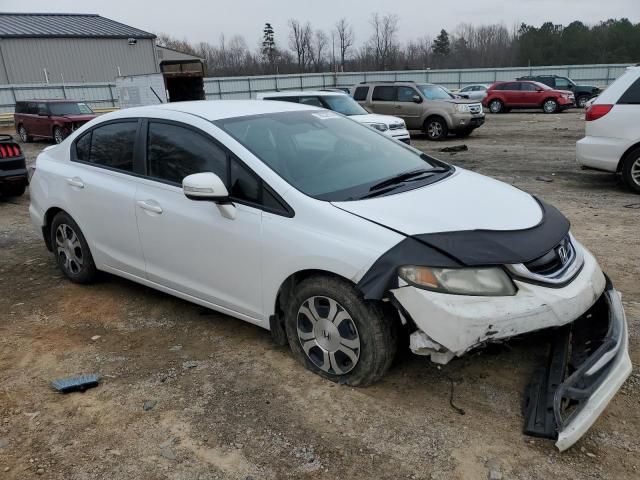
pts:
[100, 187]
[383, 99]
[191, 247]
[512, 94]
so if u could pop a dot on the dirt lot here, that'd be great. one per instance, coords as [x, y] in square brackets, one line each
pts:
[229, 404]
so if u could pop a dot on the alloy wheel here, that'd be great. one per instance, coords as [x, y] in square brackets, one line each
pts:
[635, 171]
[550, 106]
[23, 134]
[434, 130]
[582, 101]
[69, 249]
[328, 335]
[57, 136]
[495, 106]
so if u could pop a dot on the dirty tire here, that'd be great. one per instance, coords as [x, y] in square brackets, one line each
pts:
[13, 190]
[436, 128]
[496, 106]
[24, 135]
[58, 135]
[550, 106]
[582, 100]
[631, 170]
[71, 250]
[375, 329]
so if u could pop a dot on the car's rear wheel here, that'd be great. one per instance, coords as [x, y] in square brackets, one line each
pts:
[58, 135]
[631, 170]
[71, 250]
[496, 106]
[24, 135]
[436, 128]
[582, 100]
[335, 333]
[550, 106]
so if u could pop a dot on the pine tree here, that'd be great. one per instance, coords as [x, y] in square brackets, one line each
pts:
[268, 44]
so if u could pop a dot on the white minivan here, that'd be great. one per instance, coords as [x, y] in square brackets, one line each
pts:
[336, 238]
[612, 130]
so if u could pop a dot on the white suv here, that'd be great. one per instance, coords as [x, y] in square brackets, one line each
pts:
[342, 103]
[612, 132]
[335, 238]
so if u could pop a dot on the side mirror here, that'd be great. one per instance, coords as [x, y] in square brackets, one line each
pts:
[205, 186]
[416, 99]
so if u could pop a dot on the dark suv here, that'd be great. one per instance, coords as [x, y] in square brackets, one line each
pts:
[13, 169]
[54, 119]
[582, 93]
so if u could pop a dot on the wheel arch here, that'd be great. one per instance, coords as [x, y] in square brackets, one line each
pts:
[439, 115]
[624, 156]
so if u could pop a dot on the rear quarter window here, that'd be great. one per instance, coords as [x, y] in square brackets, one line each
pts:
[360, 94]
[632, 95]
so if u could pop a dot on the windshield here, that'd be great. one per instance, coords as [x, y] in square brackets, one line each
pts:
[434, 92]
[327, 156]
[63, 109]
[344, 104]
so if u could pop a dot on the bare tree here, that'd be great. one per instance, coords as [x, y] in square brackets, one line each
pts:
[300, 37]
[383, 40]
[345, 39]
[318, 49]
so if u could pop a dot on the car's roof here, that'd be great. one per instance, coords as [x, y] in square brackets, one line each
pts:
[301, 93]
[215, 109]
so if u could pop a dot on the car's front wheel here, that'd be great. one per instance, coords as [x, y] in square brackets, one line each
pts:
[436, 128]
[58, 135]
[71, 250]
[550, 106]
[631, 170]
[337, 334]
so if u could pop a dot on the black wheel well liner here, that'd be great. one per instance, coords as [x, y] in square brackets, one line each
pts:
[434, 115]
[46, 227]
[624, 156]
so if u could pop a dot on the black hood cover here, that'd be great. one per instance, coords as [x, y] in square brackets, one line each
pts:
[466, 248]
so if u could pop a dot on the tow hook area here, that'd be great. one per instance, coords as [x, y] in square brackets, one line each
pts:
[587, 363]
[421, 344]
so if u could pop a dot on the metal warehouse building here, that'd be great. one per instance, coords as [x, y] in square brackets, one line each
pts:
[59, 48]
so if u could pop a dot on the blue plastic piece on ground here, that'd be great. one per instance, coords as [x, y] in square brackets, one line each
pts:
[76, 384]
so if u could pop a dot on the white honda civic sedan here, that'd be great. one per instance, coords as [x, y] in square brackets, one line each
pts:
[335, 238]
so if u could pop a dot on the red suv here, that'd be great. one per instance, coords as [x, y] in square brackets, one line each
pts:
[503, 96]
[54, 119]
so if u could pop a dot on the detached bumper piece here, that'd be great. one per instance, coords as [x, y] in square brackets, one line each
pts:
[76, 384]
[588, 362]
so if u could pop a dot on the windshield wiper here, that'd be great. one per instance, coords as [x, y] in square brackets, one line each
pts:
[405, 177]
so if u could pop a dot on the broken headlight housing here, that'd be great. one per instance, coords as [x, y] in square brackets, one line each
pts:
[481, 281]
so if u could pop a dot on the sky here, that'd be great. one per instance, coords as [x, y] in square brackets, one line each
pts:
[205, 20]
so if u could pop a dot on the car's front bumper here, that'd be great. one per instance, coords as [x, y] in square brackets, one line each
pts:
[464, 121]
[400, 134]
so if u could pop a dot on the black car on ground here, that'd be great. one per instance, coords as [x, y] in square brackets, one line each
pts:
[13, 168]
[582, 93]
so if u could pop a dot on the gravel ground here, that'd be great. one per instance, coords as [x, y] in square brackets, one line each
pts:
[192, 394]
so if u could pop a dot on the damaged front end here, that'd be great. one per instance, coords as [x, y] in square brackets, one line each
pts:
[587, 364]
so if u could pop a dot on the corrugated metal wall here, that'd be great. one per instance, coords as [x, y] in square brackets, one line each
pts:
[74, 59]
[105, 95]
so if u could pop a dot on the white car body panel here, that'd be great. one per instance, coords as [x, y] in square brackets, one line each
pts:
[149, 232]
[608, 138]
[463, 201]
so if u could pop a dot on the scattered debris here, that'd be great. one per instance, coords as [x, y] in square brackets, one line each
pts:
[190, 364]
[167, 443]
[495, 475]
[168, 454]
[455, 148]
[561, 128]
[149, 404]
[4, 442]
[76, 384]
[632, 205]
[175, 348]
[544, 179]
[456, 408]
[95, 337]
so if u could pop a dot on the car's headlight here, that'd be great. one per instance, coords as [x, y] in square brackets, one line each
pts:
[483, 281]
[462, 107]
[379, 126]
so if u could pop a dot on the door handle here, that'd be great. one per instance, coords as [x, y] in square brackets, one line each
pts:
[145, 205]
[75, 182]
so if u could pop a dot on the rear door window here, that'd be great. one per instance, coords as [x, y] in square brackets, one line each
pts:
[527, 87]
[511, 86]
[632, 95]
[110, 145]
[384, 94]
[360, 94]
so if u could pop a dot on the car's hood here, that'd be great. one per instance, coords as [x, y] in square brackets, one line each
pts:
[375, 118]
[463, 201]
[80, 118]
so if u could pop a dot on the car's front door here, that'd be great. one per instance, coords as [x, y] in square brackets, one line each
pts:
[191, 246]
[407, 108]
[529, 94]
